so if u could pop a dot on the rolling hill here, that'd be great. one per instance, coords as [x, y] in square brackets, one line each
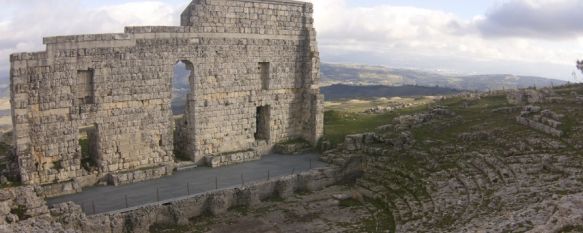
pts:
[378, 75]
[341, 91]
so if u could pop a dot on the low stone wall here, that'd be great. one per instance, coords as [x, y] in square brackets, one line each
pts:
[139, 175]
[359, 141]
[178, 211]
[539, 126]
[68, 217]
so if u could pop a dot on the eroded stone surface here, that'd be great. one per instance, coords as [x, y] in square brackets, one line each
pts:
[243, 56]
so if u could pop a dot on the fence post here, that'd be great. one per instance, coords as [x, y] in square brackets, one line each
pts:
[157, 193]
[216, 182]
[242, 180]
[93, 205]
[126, 198]
[268, 175]
[188, 188]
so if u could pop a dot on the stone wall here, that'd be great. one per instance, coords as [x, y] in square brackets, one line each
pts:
[68, 217]
[120, 84]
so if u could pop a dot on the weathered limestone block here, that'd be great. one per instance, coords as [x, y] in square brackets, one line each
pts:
[232, 158]
[220, 202]
[56, 189]
[526, 96]
[539, 126]
[285, 187]
[139, 175]
[358, 141]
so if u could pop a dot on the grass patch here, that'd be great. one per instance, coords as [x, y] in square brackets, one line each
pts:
[339, 124]
[571, 229]
[294, 141]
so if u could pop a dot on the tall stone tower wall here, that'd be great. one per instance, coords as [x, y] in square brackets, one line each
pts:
[247, 58]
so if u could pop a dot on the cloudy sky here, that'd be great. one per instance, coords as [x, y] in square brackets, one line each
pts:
[527, 37]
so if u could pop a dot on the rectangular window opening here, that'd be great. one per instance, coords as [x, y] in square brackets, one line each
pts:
[85, 79]
[264, 70]
[262, 123]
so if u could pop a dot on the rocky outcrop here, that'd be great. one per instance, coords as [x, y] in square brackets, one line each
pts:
[546, 121]
[19, 204]
[389, 108]
[478, 135]
[567, 216]
[528, 96]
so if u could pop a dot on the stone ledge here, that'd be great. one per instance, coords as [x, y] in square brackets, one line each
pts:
[139, 175]
[226, 159]
[59, 189]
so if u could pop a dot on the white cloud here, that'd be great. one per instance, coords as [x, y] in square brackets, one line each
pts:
[421, 38]
[34, 19]
[551, 19]
[383, 34]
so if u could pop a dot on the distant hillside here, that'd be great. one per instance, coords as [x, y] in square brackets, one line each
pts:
[341, 91]
[378, 75]
[4, 86]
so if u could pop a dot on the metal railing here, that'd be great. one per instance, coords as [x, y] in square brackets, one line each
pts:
[193, 187]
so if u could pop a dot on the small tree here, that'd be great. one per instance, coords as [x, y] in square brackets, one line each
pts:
[580, 65]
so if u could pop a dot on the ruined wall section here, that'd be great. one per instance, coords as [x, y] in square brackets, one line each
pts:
[131, 84]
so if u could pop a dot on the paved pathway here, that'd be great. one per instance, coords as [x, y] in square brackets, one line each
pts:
[197, 180]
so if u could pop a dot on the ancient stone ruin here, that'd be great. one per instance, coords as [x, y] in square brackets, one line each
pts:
[254, 74]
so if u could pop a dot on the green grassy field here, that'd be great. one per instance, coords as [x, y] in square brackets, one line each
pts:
[338, 124]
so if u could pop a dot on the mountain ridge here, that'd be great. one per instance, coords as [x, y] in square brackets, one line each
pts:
[358, 74]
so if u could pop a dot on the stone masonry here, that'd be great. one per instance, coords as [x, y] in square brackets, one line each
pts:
[254, 79]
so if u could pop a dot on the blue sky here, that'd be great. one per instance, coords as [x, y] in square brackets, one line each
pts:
[526, 37]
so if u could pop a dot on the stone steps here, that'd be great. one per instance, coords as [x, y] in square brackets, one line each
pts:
[480, 178]
[502, 164]
[494, 168]
[401, 202]
[474, 196]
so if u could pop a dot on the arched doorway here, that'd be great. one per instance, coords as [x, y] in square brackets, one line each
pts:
[181, 94]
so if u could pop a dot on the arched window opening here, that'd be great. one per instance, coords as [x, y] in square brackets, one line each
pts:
[181, 91]
[180, 87]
